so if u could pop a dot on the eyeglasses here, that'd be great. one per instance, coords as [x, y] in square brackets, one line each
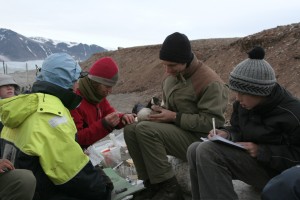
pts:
[83, 74]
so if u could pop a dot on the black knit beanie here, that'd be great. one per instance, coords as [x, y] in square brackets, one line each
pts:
[176, 48]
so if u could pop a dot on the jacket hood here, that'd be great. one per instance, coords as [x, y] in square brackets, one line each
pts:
[67, 97]
[14, 110]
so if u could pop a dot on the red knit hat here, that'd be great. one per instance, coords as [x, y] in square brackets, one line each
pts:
[104, 71]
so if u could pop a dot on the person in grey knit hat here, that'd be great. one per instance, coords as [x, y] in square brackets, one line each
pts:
[265, 123]
[254, 75]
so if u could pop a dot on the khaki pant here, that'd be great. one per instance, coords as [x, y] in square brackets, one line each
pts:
[149, 143]
[18, 184]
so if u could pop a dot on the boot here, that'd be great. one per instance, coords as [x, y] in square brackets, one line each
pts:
[149, 191]
[169, 190]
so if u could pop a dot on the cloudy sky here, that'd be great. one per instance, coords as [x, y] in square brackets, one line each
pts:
[128, 23]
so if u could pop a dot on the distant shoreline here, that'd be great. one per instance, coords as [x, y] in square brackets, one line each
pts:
[13, 66]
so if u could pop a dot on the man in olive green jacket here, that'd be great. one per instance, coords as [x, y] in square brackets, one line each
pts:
[193, 94]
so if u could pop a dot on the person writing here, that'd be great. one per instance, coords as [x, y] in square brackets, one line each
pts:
[95, 118]
[192, 94]
[265, 121]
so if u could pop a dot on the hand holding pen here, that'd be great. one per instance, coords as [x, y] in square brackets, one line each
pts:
[215, 131]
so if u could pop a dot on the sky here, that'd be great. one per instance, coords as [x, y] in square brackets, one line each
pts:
[128, 23]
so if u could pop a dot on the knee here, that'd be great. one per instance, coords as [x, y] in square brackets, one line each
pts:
[285, 185]
[144, 127]
[191, 151]
[136, 130]
[206, 151]
[25, 176]
[31, 180]
[129, 130]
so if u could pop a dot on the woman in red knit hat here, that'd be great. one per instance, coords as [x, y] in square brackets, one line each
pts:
[95, 118]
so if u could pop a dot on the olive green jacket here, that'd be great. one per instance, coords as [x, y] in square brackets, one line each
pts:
[197, 95]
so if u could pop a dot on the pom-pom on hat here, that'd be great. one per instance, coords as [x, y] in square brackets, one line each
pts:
[8, 80]
[254, 75]
[60, 69]
[176, 48]
[104, 71]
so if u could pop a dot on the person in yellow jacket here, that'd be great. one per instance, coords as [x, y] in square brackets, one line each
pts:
[39, 135]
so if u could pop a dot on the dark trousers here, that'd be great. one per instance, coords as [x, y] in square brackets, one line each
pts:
[284, 186]
[213, 166]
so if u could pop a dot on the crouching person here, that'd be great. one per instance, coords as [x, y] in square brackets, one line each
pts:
[39, 135]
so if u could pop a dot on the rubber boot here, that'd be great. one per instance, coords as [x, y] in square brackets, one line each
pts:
[149, 191]
[168, 190]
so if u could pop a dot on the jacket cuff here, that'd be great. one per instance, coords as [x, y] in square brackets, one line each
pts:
[227, 131]
[178, 118]
[106, 125]
[263, 154]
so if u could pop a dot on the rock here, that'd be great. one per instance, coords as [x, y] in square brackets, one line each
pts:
[244, 191]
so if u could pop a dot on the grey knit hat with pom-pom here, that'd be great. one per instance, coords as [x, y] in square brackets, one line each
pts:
[254, 75]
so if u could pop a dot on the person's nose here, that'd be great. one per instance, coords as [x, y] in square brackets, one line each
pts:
[109, 89]
[169, 69]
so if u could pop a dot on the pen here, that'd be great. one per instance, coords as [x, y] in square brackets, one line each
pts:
[214, 126]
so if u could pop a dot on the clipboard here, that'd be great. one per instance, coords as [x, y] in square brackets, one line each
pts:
[220, 139]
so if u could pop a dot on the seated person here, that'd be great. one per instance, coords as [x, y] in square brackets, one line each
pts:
[265, 121]
[95, 118]
[192, 94]
[39, 135]
[8, 88]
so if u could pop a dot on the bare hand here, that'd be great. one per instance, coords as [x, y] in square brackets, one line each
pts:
[251, 147]
[112, 119]
[5, 164]
[163, 115]
[221, 133]
[128, 118]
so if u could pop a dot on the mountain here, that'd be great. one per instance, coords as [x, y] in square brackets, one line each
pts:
[141, 70]
[16, 47]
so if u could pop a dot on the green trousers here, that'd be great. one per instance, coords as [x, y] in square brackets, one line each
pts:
[18, 184]
[149, 143]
